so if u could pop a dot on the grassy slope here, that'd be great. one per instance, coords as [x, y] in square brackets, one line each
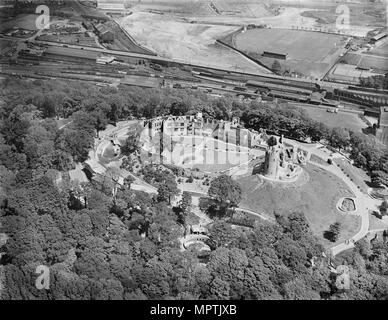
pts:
[317, 199]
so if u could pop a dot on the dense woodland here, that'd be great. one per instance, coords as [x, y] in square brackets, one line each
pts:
[123, 245]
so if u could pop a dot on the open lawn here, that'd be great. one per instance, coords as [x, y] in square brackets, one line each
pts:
[299, 45]
[346, 120]
[376, 223]
[317, 199]
[23, 21]
[367, 61]
[358, 176]
[208, 154]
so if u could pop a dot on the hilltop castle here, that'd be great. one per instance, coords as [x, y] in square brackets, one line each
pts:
[281, 162]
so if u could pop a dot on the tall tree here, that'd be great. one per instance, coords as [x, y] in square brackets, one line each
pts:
[225, 191]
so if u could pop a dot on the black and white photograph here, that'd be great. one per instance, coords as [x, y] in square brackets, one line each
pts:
[190, 156]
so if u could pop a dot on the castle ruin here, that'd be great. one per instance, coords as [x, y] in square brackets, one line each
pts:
[282, 163]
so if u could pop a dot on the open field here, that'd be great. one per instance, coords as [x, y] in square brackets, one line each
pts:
[367, 61]
[317, 199]
[208, 154]
[308, 52]
[361, 15]
[346, 120]
[191, 43]
[286, 17]
[245, 8]
[348, 73]
[377, 224]
[299, 45]
[23, 21]
[358, 176]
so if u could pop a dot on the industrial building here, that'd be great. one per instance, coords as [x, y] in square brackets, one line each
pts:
[104, 33]
[378, 38]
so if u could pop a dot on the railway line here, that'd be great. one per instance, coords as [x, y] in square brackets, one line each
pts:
[292, 89]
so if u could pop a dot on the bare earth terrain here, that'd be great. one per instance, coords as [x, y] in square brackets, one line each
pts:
[190, 43]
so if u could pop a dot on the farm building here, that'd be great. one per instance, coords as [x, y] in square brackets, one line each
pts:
[379, 37]
[104, 33]
[275, 55]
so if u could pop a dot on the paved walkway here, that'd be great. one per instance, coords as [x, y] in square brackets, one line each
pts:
[260, 215]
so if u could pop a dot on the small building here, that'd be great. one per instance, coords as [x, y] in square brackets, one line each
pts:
[104, 59]
[275, 55]
[378, 38]
[104, 33]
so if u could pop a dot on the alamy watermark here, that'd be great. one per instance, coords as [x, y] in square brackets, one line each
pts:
[43, 279]
[43, 20]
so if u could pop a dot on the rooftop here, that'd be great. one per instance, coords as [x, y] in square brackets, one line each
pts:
[379, 36]
[101, 28]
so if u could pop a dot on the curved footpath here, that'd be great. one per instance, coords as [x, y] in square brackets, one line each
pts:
[120, 131]
[364, 202]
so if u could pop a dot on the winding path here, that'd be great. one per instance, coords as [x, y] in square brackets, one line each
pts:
[108, 134]
[364, 202]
